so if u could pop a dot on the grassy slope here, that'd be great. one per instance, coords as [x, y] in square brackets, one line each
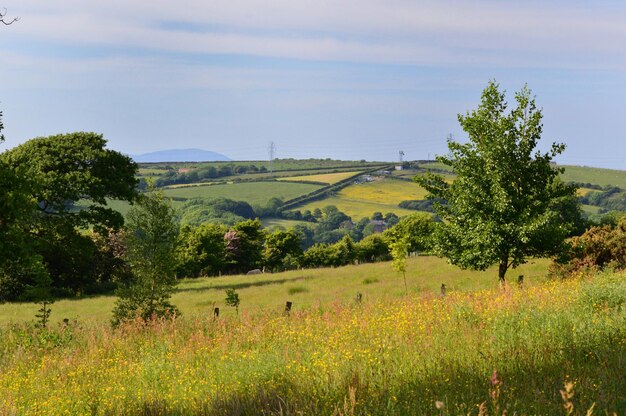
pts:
[272, 290]
[251, 192]
[596, 176]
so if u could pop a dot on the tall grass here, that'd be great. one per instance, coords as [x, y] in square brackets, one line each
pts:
[500, 351]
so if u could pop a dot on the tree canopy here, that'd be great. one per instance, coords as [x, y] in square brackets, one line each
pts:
[507, 202]
[53, 190]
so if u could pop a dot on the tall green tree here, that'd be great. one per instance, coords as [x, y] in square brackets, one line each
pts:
[67, 180]
[281, 247]
[244, 246]
[506, 202]
[69, 168]
[201, 250]
[22, 273]
[150, 237]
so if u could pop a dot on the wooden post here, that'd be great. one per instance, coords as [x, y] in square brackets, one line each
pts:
[443, 289]
[287, 307]
[216, 313]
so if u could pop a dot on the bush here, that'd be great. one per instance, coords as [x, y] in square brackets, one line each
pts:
[599, 248]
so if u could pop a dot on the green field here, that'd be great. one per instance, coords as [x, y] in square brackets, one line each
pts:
[251, 192]
[197, 296]
[595, 176]
[362, 200]
[270, 223]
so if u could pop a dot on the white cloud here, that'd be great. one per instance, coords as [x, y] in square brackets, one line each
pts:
[532, 34]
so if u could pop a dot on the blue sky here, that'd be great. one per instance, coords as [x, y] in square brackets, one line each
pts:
[350, 79]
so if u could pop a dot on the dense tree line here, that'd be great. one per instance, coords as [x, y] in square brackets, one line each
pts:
[173, 176]
[212, 249]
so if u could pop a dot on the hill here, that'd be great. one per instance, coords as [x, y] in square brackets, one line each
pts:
[181, 155]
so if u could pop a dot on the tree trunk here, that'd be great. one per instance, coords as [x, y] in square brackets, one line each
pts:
[504, 266]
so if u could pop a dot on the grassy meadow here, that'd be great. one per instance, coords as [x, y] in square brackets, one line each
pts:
[597, 176]
[304, 288]
[483, 352]
[251, 192]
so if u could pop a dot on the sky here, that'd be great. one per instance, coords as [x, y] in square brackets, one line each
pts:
[345, 79]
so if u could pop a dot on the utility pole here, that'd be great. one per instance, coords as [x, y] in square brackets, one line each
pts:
[272, 151]
[401, 153]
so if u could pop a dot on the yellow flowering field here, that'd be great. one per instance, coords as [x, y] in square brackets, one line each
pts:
[328, 178]
[490, 352]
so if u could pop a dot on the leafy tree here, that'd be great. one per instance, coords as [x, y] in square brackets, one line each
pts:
[504, 204]
[244, 245]
[68, 168]
[416, 228]
[347, 250]
[21, 268]
[399, 253]
[201, 250]
[281, 246]
[53, 175]
[151, 235]
[232, 299]
[372, 248]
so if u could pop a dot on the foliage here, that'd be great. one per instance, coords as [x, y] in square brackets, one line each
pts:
[597, 249]
[399, 252]
[417, 229]
[323, 255]
[232, 299]
[244, 245]
[426, 205]
[505, 203]
[151, 235]
[201, 251]
[281, 250]
[21, 268]
[44, 178]
[109, 266]
[44, 312]
[66, 168]
[197, 211]
[372, 248]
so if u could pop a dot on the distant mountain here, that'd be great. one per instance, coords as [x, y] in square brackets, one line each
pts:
[181, 155]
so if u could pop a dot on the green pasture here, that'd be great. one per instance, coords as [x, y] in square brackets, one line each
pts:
[251, 192]
[281, 223]
[597, 176]
[376, 281]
